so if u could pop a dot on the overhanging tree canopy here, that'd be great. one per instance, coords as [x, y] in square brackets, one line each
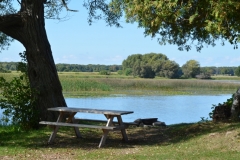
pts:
[182, 22]
[179, 22]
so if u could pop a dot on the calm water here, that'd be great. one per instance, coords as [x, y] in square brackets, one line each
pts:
[169, 109]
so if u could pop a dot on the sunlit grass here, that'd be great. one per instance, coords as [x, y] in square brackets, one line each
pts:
[180, 141]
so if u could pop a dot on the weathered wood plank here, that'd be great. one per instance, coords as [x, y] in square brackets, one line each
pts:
[89, 110]
[78, 125]
[104, 121]
[124, 134]
[53, 135]
[103, 139]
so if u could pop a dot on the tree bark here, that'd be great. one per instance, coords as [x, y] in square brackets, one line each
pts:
[41, 67]
[235, 109]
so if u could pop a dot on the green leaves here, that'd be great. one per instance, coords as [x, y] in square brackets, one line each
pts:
[18, 102]
[191, 68]
[151, 65]
[184, 22]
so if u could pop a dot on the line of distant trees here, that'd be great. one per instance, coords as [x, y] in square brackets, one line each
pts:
[61, 67]
[152, 65]
[145, 66]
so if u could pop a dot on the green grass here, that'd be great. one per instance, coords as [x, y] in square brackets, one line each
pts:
[222, 77]
[180, 141]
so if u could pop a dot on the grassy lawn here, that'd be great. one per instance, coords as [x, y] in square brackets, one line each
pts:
[206, 140]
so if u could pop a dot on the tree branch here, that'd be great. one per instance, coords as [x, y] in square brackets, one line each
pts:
[8, 21]
[65, 5]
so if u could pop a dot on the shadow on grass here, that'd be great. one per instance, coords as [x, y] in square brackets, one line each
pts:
[138, 136]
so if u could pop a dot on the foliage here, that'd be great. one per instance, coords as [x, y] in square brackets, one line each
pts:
[185, 22]
[86, 68]
[191, 68]
[104, 72]
[151, 65]
[174, 22]
[120, 72]
[128, 71]
[18, 100]
[2, 70]
[12, 66]
[228, 103]
[237, 71]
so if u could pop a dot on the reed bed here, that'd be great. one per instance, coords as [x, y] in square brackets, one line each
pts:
[147, 86]
[92, 84]
[69, 84]
[166, 84]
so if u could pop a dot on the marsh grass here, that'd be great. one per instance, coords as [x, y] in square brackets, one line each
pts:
[222, 77]
[107, 86]
[206, 140]
[77, 84]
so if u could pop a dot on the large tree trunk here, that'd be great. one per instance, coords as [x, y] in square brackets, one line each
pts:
[41, 67]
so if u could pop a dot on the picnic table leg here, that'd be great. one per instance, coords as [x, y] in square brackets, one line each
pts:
[72, 120]
[120, 122]
[53, 135]
[76, 129]
[104, 137]
[105, 132]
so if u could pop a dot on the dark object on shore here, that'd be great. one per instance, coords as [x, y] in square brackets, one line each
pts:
[138, 122]
[221, 113]
[158, 123]
[149, 121]
[235, 108]
[203, 76]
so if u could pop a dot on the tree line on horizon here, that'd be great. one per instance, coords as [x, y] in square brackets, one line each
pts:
[142, 65]
[152, 65]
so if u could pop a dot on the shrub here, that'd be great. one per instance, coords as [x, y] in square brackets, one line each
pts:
[104, 72]
[120, 72]
[18, 100]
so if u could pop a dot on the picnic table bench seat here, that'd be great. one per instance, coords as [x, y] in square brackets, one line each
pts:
[80, 125]
[103, 121]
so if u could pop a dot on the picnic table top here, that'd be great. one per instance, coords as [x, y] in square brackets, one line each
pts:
[90, 110]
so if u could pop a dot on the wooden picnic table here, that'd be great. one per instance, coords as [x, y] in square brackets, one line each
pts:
[73, 122]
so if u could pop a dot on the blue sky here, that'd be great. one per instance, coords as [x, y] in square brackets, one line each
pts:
[75, 42]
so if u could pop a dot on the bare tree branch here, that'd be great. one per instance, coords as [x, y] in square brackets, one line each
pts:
[65, 5]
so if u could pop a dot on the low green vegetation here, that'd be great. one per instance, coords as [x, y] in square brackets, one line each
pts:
[203, 140]
[87, 84]
[94, 84]
[18, 100]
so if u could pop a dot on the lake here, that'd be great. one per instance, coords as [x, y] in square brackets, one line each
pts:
[168, 109]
